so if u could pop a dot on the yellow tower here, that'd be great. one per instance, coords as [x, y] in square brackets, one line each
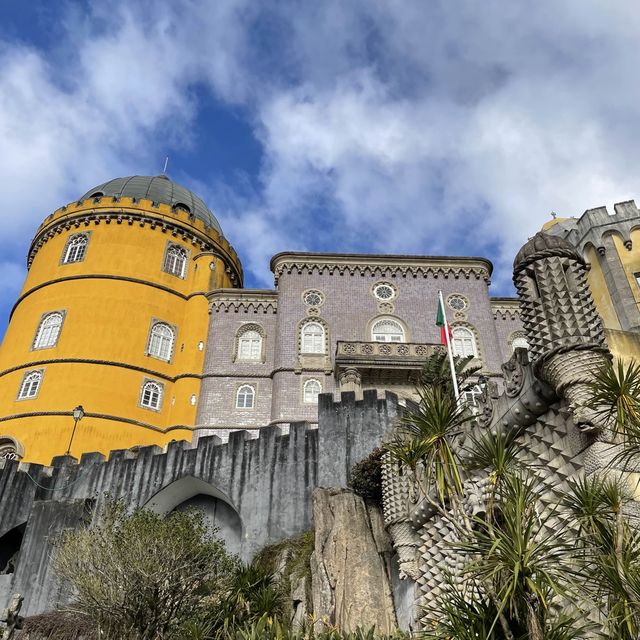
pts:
[112, 317]
[610, 245]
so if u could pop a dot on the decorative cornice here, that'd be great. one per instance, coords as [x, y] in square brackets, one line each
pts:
[381, 265]
[86, 217]
[247, 300]
[505, 308]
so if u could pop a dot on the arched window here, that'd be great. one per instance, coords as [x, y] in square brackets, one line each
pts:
[76, 249]
[8, 449]
[313, 338]
[30, 385]
[175, 260]
[387, 330]
[161, 341]
[151, 395]
[48, 331]
[250, 346]
[464, 343]
[310, 391]
[519, 343]
[245, 397]
[470, 397]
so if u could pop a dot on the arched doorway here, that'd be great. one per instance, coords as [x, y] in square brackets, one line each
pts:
[10, 544]
[193, 493]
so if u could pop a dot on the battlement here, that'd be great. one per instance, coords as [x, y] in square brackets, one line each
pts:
[132, 210]
[596, 223]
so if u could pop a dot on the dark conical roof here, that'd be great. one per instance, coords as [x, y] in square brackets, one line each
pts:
[157, 189]
[547, 243]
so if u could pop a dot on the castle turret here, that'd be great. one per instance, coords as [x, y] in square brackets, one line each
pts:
[564, 331]
[113, 316]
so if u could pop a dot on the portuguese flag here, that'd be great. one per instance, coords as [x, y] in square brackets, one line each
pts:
[441, 321]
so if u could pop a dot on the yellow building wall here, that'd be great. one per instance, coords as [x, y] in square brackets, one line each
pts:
[600, 291]
[110, 300]
[630, 261]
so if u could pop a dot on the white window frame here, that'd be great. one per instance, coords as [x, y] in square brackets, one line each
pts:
[47, 334]
[173, 264]
[521, 340]
[245, 397]
[148, 402]
[464, 343]
[311, 396]
[161, 346]
[396, 337]
[30, 385]
[249, 346]
[76, 248]
[312, 341]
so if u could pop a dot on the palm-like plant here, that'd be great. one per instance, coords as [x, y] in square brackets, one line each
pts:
[425, 438]
[515, 553]
[615, 395]
[611, 552]
[436, 371]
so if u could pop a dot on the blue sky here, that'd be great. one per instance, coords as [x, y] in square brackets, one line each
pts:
[363, 125]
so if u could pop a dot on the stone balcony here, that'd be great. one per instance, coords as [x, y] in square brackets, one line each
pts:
[366, 363]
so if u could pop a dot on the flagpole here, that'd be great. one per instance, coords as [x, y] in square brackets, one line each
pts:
[454, 379]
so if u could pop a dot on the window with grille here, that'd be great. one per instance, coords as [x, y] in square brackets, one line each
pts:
[30, 385]
[175, 260]
[250, 346]
[48, 331]
[161, 341]
[387, 331]
[311, 391]
[8, 450]
[151, 395]
[76, 249]
[464, 343]
[313, 338]
[245, 397]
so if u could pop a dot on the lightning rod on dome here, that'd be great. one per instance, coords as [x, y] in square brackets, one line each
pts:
[166, 162]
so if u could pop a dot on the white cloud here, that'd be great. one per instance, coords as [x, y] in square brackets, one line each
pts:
[386, 126]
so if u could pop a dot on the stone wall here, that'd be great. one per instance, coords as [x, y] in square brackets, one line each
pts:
[259, 489]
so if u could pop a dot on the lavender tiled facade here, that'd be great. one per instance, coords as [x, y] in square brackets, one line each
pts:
[347, 312]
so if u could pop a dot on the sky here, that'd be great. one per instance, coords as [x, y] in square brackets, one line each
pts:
[379, 126]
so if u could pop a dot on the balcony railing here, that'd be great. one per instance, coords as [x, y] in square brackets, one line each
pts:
[351, 350]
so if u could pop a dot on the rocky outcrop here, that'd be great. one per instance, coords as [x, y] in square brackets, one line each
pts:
[350, 564]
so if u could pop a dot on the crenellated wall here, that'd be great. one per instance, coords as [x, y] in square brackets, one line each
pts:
[258, 491]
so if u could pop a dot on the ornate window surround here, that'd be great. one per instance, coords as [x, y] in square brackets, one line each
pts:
[519, 334]
[325, 327]
[147, 352]
[254, 396]
[40, 373]
[245, 328]
[67, 246]
[385, 316]
[388, 321]
[384, 283]
[43, 318]
[187, 255]
[309, 292]
[148, 382]
[475, 335]
[307, 383]
[10, 448]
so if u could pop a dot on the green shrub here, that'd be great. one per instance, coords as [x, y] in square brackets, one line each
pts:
[366, 477]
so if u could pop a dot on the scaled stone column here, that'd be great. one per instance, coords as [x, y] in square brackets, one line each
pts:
[564, 331]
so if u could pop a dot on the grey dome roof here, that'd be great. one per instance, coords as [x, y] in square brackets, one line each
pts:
[157, 189]
[545, 242]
